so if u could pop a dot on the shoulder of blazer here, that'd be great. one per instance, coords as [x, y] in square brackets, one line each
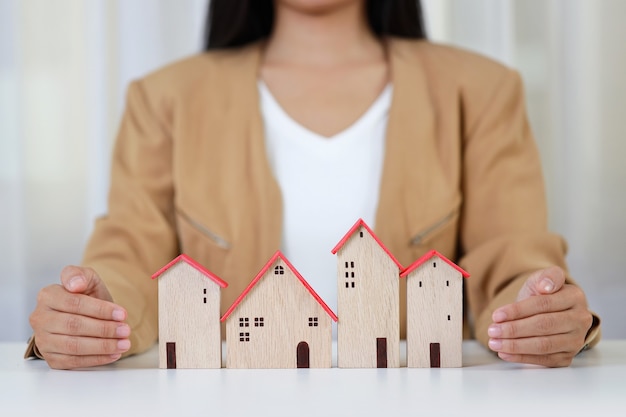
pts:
[474, 78]
[446, 60]
[214, 69]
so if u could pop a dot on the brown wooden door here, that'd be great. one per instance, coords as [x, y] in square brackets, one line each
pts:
[170, 349]
[435, 355]
[302, 355]
[381, 352]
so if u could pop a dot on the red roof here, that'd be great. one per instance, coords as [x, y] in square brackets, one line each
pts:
[193, 263]
[426, 257]
[353, 229]
[277, 255]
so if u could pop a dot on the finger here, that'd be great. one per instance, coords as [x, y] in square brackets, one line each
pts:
[545, 281]
[537, 325]
[57, 298]
[77, 279]
[540, 345]
[77, 325]
[60, 361]
[81, 346]
[565, 299]
[553, 361]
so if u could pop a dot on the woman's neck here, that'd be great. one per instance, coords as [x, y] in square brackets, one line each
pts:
[322, 39]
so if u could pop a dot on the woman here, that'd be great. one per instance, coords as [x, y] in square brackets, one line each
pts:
[301, 117]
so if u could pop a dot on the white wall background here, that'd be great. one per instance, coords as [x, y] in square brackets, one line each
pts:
[65, 65]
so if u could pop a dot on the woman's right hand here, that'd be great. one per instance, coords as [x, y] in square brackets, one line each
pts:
[76, 324]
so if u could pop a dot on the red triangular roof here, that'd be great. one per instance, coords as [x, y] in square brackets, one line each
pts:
[196, 265]
[353, 229]
[256, 279]
[426, 257]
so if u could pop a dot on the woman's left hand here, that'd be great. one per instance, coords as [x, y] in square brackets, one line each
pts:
[547, 324]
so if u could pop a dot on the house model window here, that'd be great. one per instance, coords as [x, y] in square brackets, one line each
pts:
[349, 274]
[205, 296]
[244, 322]
[244, 337]
[313, 322]
[279, 270]
[258, 322]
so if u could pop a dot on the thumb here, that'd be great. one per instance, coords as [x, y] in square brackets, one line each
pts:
[544, 281]
[80, 280]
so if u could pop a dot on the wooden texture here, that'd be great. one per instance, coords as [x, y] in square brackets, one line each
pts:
[434, 314]
[189, 317]
[291, 314]
[368, 301]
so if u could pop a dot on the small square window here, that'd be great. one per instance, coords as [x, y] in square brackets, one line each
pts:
[361, 234]
[352, 284]
[346, 264]
[313, 322]
[420, 284]
[347, 285]
[352, 264]
[434, 264]
[244, 322]
[447, 283]
[259, 322]
[448, 317]
[244, 336]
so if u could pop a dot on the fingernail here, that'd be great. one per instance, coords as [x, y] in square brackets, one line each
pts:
[495, 344]
[499, 316]
[494, 331]
[75, 282]
[122, 331]
[118, 314]
[547, 285]
[123, 344]
[115, 356]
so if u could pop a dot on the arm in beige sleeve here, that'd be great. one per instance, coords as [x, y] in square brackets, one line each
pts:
[137, 236]
[504, 232]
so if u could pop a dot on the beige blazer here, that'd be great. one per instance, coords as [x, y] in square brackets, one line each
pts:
[190, 174]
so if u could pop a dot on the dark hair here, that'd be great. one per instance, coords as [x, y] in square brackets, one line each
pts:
[232, 23]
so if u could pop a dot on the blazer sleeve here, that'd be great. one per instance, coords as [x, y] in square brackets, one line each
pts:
[138, 235]
[504, 231]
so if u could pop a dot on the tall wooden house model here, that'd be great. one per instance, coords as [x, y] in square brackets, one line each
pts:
[189, 306]
[279, 321]
[434, 312]
[368, 301]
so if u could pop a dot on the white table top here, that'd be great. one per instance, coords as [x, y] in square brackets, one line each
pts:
[595, 385]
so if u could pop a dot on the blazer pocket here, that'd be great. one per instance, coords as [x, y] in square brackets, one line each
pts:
[201, 243]
[202, 229]
[440, 234]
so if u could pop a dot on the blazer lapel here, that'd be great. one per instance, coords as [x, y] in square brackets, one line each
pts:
[414, 192]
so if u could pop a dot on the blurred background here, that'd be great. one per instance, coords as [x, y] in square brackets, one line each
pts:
[65, 66]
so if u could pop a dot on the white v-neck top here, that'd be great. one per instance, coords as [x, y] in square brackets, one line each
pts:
[327, 184]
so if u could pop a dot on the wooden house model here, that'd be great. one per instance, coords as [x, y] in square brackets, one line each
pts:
[368, 301]
[279, 321]
[189, 315]
[434, 332]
